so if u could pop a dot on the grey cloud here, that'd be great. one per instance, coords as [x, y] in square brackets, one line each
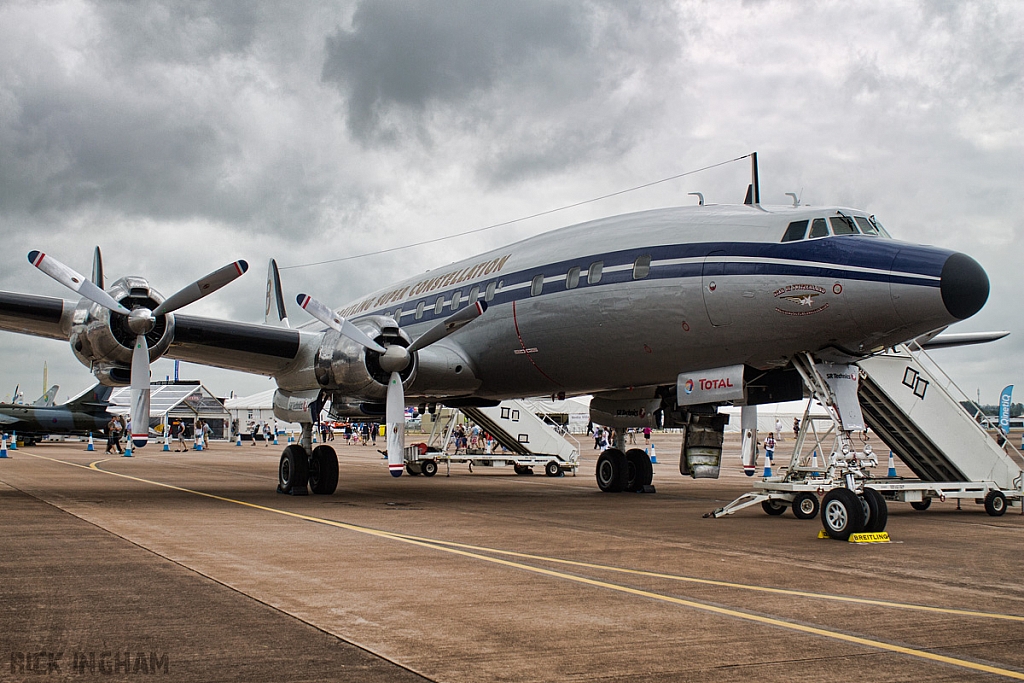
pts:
[547, 79]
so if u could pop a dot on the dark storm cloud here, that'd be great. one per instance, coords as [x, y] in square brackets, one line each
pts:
[157, 111]
[550, 80]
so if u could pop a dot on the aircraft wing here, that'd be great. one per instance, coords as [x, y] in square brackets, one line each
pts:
[40, 316]
[239, 346]
[945, 341]
[221, 343]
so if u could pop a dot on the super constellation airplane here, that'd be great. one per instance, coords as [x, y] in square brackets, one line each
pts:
[635, 309]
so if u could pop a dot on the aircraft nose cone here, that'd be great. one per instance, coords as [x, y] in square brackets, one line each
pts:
[964, 286]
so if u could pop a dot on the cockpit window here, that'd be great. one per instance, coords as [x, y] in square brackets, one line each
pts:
[881, 231]
[841, 225]
[795, 231]
[865, 225]
[819, 228]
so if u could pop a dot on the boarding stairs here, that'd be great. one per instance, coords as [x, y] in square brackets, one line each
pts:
[920, 413]
[515, 425]
[528, 440]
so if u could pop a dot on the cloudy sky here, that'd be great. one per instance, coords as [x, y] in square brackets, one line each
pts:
[179, 136]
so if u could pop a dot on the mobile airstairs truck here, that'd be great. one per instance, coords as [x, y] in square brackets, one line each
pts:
[923, 419]
[526, 441]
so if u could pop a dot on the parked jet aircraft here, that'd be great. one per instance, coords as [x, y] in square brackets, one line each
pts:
[83, 414]
[661, 315]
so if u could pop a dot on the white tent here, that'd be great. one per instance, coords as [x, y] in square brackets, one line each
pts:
[258, 408]
[169, 401]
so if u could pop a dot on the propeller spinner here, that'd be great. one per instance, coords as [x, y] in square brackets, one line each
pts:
[141, 321]
[394, 359]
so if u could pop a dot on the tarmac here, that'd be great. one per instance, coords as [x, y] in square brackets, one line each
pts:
[189, 566]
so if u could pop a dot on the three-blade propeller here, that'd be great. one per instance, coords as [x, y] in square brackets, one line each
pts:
[394, 359]
[141, 321]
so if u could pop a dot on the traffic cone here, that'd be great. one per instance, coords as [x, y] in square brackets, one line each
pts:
[198, 445]
[238, 439]
[3, 446]
[167, 440]
[654, 456]
[291, 439]
[814, 462]
[767, 464]
[127, 449]
[91, 446]
[14, 441]
[314, 436]
[275, 437]
[892, 465]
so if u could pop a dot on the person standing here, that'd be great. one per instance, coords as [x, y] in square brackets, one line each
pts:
[267, 435]
[647, 436]
[778, 429]
[769, 449]
[255, 429]
[796, 428]
[207, 433]
[114, 435]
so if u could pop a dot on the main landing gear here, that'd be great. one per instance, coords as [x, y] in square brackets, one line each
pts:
[629, 471]
[300, 468]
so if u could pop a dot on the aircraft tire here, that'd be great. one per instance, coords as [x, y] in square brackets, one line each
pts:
[411, 471]
[552, 469]
[429, 468]
[773, 507]
[292, 471]
[877, 511]
[323, 470]
[806, 505]
[611, 471]
[995, 503]
[842, 514]
[522, 470]
[921, 505]
[639, 471]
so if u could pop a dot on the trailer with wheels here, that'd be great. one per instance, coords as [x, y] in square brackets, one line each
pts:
[425, 460]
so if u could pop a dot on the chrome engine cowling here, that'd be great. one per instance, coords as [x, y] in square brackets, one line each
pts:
[101, 339]
[342, 363]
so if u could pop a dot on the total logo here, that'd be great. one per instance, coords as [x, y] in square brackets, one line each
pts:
[709, 384]
[688, 387]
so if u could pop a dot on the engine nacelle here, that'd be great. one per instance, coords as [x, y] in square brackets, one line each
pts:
[101, 339]
[342, 363]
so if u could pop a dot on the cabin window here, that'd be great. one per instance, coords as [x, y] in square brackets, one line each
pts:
[439, 304]
[842, 226]
[795, 231]
[456, 299]
[537, 286]
[489, 292]
[419, 310]
[474, 294]
[819, 228]
[398, 315]
[642, 267]
[594, 272]
[865, 225]
[572, 278]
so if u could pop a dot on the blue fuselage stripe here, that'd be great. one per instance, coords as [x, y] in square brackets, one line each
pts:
[850, 258]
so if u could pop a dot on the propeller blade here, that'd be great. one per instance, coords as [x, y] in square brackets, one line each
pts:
[274, 291]
[336, 322]
[200, 288]
[140, 392]
[74, 281]
[395, 414]
[449, 325]
[97, 268]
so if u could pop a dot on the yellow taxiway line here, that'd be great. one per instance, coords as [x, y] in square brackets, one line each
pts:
[475, 552]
